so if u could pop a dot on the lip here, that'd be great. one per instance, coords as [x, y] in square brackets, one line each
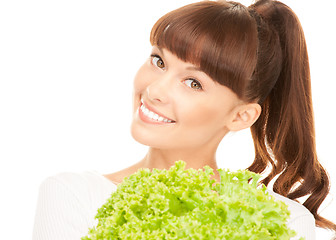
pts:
[149, 120]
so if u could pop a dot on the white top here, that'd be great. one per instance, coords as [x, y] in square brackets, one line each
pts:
[68, 202]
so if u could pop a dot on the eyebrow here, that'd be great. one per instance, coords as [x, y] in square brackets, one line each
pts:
[194, 69]
[160, 50]
[191, 68]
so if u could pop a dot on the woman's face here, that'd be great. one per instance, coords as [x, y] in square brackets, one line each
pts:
[177, 106]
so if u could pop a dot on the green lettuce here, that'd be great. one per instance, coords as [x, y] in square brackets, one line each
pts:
[184, 203]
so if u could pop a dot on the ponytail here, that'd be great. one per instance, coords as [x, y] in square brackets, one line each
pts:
[284, 134]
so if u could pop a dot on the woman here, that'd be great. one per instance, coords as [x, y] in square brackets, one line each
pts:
[215, 67]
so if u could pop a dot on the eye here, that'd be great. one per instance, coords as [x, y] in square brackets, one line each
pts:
[193, 84]
[157, 61]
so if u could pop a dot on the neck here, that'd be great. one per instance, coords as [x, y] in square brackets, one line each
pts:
[164, 159]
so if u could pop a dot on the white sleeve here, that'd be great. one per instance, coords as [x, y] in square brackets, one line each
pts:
[301, 220]
[304, 226]
[60, 215]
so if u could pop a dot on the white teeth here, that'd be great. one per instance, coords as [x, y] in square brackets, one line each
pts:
[146, 111]
[153, 115]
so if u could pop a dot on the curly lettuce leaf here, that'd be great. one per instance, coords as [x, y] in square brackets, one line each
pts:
[184, 203]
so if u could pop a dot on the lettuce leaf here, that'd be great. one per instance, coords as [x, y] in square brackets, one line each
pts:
[184, 203]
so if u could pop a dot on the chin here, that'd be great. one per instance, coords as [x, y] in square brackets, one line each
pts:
[142, 137]
[147, 138]
[139, 134]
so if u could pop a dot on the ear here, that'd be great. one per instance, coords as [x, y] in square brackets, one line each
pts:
[244, 116]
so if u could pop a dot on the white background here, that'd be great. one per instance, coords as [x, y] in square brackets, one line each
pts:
[66, 72]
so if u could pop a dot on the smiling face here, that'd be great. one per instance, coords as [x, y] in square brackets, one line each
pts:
[177, 106]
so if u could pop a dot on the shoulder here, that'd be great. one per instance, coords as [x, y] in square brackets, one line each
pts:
[68, 203]
[81, 183]
[301, 219]
[90, 189]
[296, 209]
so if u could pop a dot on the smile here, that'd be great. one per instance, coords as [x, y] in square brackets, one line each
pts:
[153, 116]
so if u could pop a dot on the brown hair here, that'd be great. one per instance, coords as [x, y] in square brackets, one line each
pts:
[260, 53]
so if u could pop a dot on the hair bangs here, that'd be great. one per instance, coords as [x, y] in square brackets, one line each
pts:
[218, 37]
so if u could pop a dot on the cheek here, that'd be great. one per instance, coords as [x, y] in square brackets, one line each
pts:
[201, 117]
[203, 124]
[204, 116]
[140, 83]
[142, 79]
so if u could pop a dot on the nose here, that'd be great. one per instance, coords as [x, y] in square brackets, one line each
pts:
[158, 90]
